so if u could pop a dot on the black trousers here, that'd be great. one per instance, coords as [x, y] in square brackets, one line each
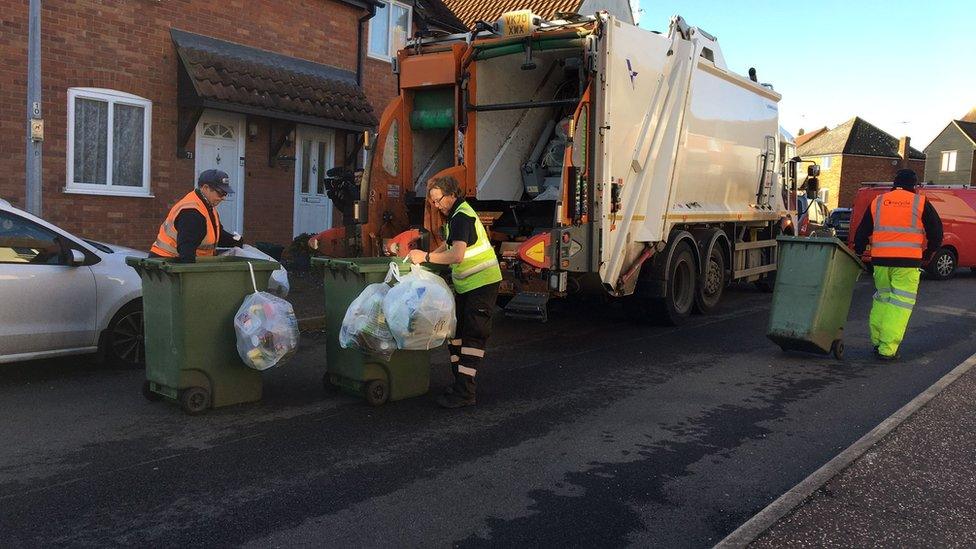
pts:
[474, 311]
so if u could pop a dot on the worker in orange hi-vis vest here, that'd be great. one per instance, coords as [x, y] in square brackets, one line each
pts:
[897, 225]
[192, 229]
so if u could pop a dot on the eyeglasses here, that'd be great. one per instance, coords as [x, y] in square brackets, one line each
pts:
[221, 193]
[437, 201]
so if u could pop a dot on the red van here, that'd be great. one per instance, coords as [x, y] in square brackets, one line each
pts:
[957, 208]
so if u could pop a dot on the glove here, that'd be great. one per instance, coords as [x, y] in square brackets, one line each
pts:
[238, 240]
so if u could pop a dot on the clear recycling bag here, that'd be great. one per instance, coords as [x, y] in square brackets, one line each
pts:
[420, 310]
[267, 330]
[364, 324]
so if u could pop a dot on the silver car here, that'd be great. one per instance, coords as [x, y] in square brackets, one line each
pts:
[63, 295]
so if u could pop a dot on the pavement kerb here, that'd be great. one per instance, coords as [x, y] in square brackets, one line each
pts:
[795, 496]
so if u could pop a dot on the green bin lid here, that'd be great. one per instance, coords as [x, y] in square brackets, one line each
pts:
[202, 265]
[362, 264]
[822, 241]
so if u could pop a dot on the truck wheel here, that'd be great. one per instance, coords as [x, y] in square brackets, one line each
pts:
[712, 282]
[680, 289]
[942, 265]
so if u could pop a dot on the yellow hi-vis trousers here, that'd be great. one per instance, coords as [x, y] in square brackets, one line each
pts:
[894, 300]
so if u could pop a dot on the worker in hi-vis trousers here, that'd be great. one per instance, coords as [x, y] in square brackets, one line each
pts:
[476, 277]
[898, 224]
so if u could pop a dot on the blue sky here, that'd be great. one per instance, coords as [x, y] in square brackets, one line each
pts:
[896, 64]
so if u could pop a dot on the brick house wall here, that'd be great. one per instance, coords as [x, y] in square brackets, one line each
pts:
[848, 171]
[861, 169]
[379, 82]
[125, 45]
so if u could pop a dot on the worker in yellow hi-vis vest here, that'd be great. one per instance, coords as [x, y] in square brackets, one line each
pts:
[476, 277]
[898, 224]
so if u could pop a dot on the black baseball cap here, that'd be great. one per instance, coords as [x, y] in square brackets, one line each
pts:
[216, 179]
[906, 179]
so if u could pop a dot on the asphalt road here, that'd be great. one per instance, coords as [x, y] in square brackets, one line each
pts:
[590, 431]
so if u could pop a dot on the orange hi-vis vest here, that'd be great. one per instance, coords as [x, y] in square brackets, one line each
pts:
[898, 231]
[165, 244]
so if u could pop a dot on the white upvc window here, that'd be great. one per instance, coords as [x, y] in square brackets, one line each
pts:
[389, 30]
[948, 161]
[109, 138]
[825, 163]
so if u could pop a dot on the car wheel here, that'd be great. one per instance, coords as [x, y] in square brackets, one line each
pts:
[942, 264]
[124, 340]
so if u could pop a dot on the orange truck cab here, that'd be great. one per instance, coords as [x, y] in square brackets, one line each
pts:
[956, 206]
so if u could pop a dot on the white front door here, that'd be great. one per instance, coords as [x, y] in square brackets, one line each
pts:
[220, 146]
[315, 155]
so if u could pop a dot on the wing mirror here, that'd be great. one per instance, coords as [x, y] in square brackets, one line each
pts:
[77, 258]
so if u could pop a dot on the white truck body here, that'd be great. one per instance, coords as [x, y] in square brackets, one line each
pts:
[683, 134]
[602, 156]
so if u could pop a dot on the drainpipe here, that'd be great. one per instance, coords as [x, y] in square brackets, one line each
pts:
[35, 121]
[371, 6]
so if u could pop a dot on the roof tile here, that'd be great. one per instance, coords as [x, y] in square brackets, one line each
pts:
[856, 136]
[469, 11]
[968, 128]
[232, 73]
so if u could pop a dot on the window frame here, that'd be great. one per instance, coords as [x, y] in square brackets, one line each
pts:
[112, 97]
[826, 162]
[950, 166]
[389, 30]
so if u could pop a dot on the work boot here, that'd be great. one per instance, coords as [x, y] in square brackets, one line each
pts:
[462, 393]
[886, 358]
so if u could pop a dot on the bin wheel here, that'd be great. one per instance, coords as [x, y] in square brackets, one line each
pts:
[150, 395]
[195, 400]
[327, 384]
[377, 392]
[837, 349]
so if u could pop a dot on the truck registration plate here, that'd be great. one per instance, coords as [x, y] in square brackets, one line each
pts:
[517, 22]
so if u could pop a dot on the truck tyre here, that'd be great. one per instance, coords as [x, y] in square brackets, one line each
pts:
[679, 292]
[942, 265]
[711, 283]
[681, 284]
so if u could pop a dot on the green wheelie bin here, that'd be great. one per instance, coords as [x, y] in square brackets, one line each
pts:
[814, 284]
[191, 346]
[406, 374]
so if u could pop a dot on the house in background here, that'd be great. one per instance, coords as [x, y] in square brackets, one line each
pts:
[471, 11]
[856, 152]
[140, 97]
[952, 154]
[807, 136]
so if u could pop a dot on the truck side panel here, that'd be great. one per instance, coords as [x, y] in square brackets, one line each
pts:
[643, 94]
[726, 127]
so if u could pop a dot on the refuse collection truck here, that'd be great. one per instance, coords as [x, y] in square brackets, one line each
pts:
[602, 158]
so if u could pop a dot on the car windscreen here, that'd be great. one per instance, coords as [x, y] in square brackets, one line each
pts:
[838, 217]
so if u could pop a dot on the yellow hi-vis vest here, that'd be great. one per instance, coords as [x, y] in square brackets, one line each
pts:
[165, 244]
[480, 265]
